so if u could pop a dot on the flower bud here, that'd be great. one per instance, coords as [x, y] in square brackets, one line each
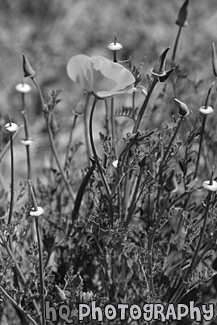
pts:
[171, 183]
[27, 68]
[214, 60]
[159, 68]
[207, 109]
[60, 293]
[183, 108]
[37, 213]
[182, 15]
[23, 88]
[11, 127]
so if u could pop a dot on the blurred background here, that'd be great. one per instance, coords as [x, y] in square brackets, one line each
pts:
[50, 32]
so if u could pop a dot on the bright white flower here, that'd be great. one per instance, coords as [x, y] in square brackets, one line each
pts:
[23, 88]
[115, 163]
[115, 46]
[211, 187]
[206, 111]
[37, 213]
[11, 127]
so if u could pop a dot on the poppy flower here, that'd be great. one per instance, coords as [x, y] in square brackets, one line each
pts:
[100, 75]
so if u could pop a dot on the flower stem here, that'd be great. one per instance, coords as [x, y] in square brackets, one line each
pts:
[70, 138]
[94, 150]
[144, 106]
[58, 162]
[200, 146]
[12, 180]
[176, 44]
[107, 189]
[86, 127]
[113, 124]
[40, 256]
[29, 176]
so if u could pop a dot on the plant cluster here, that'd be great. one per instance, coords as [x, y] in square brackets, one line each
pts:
[140, 227]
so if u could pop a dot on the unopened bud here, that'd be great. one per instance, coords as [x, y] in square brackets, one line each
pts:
[183, 108]
[182, 15]
[27, 68]
[159, 68]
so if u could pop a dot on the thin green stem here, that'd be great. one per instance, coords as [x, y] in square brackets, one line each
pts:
[85, 121]
[52, 143]
[27, 146]
[176, 44]
[106, 186]
[12, 180]
[58, 162]
[113, 124]
[200, 147]
[172, 139]
[133, 201]
[70, 138]
[41, 271]
[144, 106]
[7, 146]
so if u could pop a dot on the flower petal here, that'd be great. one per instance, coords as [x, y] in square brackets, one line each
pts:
[77, 68]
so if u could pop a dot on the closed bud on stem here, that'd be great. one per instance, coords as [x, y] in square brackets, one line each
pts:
[183, 108]
[206, 109]
[27, 68]
[182, 15]
[159, 68]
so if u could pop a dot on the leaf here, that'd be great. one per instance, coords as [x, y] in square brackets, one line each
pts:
[126, 112]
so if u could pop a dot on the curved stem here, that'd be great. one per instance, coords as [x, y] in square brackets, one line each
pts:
[86, 127]
[94, 150]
